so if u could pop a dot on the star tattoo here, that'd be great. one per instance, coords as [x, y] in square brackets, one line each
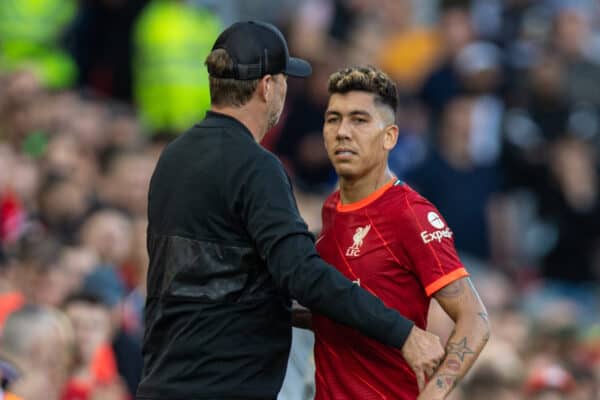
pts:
[460, 349]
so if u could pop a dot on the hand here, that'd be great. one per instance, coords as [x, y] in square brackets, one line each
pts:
[423, 351]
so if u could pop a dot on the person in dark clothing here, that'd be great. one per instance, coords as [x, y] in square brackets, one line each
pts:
[228, 249]
[300, 144]
[101, 44]
[461, 189]
[570, 204]
[104, 284]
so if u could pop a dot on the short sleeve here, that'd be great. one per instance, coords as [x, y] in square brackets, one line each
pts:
[428, 244]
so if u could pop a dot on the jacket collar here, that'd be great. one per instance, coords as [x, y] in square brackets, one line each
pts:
[213, 118]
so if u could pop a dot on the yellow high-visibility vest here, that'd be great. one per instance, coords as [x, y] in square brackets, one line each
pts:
[171, 42]
[29, 33]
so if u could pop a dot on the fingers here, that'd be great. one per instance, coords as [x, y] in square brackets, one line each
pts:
[429, 372]
[437, 352]
[433, 354]
[424, 372]
[420, 379]
[423, 352]
[430, 367]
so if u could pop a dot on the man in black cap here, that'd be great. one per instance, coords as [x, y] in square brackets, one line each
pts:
[228, 248]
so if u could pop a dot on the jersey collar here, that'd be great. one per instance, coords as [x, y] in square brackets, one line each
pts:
[367, 200]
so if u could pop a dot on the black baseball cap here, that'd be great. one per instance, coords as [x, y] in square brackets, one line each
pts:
[257, 49]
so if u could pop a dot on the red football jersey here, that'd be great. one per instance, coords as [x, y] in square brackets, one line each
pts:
[396, 245]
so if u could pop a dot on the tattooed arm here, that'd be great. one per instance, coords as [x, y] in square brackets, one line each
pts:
[461, 302]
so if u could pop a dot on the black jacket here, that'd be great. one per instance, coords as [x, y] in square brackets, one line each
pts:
[228, 249]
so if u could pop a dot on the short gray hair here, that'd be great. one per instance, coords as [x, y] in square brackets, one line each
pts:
[24, 327]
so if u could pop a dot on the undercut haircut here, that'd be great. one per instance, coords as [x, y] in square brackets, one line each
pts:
[226, 92]
[366, 79]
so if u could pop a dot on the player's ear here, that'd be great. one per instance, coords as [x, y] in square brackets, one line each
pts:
[390, 137]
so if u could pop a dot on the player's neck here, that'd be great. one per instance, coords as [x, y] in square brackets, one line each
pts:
[353, 190]
[246, 115]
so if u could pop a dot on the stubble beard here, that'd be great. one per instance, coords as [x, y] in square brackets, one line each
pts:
[273, 117]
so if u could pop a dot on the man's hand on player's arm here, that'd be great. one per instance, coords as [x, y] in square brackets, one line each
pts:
[423, 351]
[461, 302]
[301, 316]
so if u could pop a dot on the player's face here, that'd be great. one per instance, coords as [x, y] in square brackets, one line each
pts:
[358, 134]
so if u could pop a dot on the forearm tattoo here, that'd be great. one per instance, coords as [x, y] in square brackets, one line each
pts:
[460, 349]
[446, 381]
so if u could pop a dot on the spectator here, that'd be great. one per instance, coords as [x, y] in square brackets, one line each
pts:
[125, 181]
[171, 41]
[408, 51]
[8, 373]
[38, 275]
[572, 202]
[571, 39]
[31, 32]
[455, 31]
[39, 340]
[134, 274]
[78, 262]
[100, 41]
[11, 297]
[63, 206]
[460, 189]
[548, 383]
[300, 143]
[105, 284]
[95, 368]
[65, 156]
[108, 234]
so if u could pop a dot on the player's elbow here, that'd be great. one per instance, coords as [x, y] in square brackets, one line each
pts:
[477, 321]
[486, 332]
[481, 323]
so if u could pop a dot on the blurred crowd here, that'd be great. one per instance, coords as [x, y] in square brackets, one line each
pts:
[500, 129]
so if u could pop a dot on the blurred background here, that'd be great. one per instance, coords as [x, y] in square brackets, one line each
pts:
[500, 128]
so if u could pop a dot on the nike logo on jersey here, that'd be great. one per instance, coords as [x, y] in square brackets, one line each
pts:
[359, 236]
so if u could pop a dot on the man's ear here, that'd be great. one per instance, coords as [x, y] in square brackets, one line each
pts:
[390, 137]
[265, 88]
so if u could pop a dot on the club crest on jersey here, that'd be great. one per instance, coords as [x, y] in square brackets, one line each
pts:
[359, 236]
[438, 235]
